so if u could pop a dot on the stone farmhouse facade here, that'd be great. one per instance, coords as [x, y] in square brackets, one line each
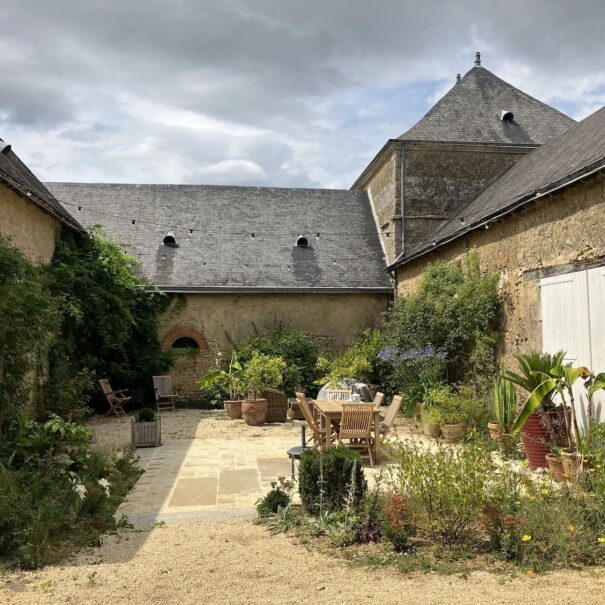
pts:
[30, 216]
[487, 168]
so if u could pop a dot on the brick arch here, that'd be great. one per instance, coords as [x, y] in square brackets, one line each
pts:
[185, 330]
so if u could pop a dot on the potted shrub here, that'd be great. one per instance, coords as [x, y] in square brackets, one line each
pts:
[146, 429]
[261, 372]
[231, 381]
[505, 409]
[453, 422]
[555, 463]
[559, 380]
[542, 421]
[431, 421]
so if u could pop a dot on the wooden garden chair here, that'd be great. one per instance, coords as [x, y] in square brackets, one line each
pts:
[165, 396]
[339, 394]
[389, 418]
[115, 399]
[319, 435]
[378, 399]
[356, 425]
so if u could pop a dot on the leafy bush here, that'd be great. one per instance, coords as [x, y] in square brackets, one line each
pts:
[55, 492]
[261, 372]
[108, 323]
[359, 363]
[297, 348]
[277, 498]
[146, 415]
[328, 480]
[397, 522]
[456, 309]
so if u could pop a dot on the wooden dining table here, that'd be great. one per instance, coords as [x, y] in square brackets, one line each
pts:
[330, 412]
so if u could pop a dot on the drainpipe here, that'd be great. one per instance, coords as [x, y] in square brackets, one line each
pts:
[401, 201]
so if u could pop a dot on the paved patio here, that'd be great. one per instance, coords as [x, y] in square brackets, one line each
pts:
[198, 475]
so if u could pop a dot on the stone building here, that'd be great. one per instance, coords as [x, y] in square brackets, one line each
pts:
[240, 260]
[31, 218]
[481, 127]
[541, 227]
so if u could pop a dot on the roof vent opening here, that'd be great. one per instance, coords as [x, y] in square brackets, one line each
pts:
[302, 241]
[507, 116]
[5, 148]
[169, 240]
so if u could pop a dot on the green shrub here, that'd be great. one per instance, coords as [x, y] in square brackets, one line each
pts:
[278, 498]
[296, 347]
[146, 415]
[397, 522]
[331, 480]
[456, 309]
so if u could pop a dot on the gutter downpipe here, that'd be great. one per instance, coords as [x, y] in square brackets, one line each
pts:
[401, 209]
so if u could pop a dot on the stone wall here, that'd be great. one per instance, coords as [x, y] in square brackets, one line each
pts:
[384, 191]
[565, 228]
[217, 321]
[440, 178]
[27, 227]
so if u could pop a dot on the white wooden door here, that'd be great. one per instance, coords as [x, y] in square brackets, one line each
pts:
[573, 320]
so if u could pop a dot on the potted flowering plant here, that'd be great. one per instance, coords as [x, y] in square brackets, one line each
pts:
[230, 380]
[261, 372]
[146, 429]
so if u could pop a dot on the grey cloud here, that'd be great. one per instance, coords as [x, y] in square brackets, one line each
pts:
[285, 68]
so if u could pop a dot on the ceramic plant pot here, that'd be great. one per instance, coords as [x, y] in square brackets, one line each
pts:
[536, 436]
[452, 433]
[254, 411]
[572, 465]
[233, 409]
[494, 430]
[555, 464]
[430, 429]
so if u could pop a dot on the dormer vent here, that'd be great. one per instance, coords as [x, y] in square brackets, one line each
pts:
[169, 240]
[302, 241]
[507, 116]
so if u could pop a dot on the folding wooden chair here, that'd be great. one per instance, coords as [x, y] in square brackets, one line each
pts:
[339, 394]
[319, 435]
[356, 426]
[378, 399]
[116, 399]
[387, 421]
[165, 397]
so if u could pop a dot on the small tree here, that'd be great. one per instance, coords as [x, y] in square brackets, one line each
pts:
[262, 372]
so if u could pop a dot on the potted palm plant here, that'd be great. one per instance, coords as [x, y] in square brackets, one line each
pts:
[229, 379]
[261, 372]
[542, 423]
[559, 381]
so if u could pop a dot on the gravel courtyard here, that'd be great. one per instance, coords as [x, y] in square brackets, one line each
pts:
[237, 562]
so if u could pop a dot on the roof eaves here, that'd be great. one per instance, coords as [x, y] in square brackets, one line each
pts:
[270, 290]
[32, 196]
[487, 220]
[362, 178]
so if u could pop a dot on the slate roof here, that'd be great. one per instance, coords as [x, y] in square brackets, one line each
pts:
[221, 254]
[16, 175]
[470, 112]
[578, 153]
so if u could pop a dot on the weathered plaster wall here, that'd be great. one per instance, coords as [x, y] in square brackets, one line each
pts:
[384, 190]
[565, 228]
[439, 179]
[217, 321]
[27, 227]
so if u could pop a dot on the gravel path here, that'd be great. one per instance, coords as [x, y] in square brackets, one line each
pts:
[236, 562]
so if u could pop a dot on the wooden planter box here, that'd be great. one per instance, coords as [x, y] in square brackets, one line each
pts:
[146, 434]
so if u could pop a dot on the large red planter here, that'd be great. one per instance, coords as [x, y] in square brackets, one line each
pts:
[536, 436]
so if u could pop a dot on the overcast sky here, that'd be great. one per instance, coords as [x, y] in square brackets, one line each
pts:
[265, 92]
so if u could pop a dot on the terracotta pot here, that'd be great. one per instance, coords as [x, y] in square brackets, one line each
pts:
[536, 436]
[572, 465]
[233, 409]
[431, 430]
[254, 411]
[555, 464]
[452, 433]
[494, 430]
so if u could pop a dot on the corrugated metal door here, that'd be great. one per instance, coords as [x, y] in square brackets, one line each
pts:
[573, 320]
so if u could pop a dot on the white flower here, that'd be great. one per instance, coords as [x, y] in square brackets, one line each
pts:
[80, 490]
[105, 485]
